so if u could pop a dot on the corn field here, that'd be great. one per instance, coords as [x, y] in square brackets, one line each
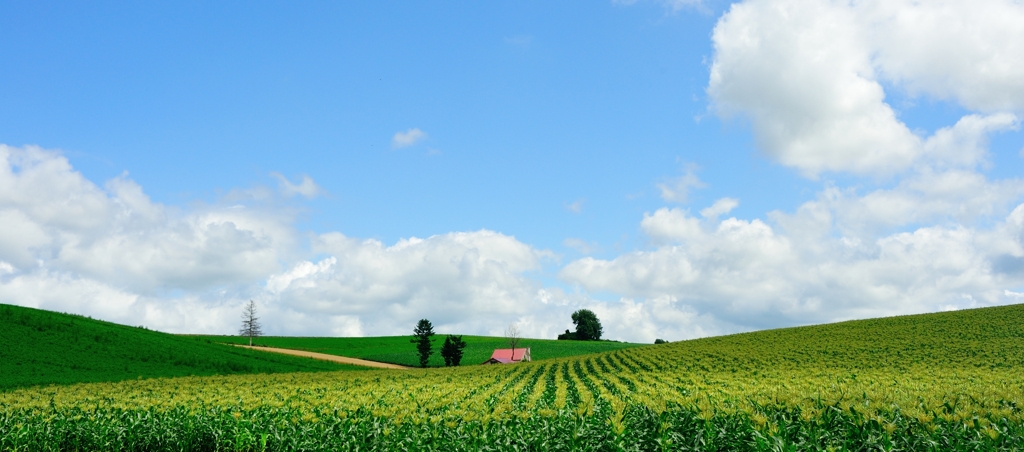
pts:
[714, 394]
[620, 401]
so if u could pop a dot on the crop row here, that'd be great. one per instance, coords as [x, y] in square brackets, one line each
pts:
[633, 427]
[610, 399]
[948, 382]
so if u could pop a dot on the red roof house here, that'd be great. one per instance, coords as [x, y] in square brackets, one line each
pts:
[506, 356]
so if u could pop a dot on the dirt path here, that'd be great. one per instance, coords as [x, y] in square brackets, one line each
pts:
[326, 357]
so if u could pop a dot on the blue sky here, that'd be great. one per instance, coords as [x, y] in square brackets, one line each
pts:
[528, 108]
[563, 128]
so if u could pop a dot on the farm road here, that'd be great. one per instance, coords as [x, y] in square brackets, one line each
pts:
[326, 357]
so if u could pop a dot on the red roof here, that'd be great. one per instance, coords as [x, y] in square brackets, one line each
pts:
[505, 355]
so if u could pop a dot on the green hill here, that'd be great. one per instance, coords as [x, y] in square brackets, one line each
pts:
[985, 338]
[398, 349]
[41, 347]
[934, 382]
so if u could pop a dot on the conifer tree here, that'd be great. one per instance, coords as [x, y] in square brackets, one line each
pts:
[421, 337]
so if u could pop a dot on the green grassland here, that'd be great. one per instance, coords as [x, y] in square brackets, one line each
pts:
[949, 381]
[399, 349]
[42, 347]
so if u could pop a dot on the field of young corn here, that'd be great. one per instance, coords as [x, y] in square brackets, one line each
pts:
[948, 384]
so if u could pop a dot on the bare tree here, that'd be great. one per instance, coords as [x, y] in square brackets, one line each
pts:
[250, 323]
[514, 337]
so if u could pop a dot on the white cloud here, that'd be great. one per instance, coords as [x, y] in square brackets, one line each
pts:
[56, 219]
[307, 188]
[407, 138]
[658, 318]
[801, 71]
[65, 292]
[452, 278]
[809, 75]
[966, 51]
[666, 225]
[965, 144]
[719, 208]
[749, 274]
[928, 196]
[131, 260]
[678, 189]
[112, 253]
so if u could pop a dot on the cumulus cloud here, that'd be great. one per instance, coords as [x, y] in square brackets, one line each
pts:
[811, 78]
[112, 253]
[750, 274]
[57, 219]
[68, 292]
[803, 74]
[957, 50]
[407, 138]
[958, 196]
[70, 245]
[943, 237]
[809, 74]
[471, 281]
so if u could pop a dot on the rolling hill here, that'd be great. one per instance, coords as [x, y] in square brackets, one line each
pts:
[42, 347]
[943, 381]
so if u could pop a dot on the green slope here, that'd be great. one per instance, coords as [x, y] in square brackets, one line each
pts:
[42, 347]
[935, 382]
[983, 338]
[399, 349]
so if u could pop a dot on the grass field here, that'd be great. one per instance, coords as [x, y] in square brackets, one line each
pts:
[43, 347]
[399, 349]
[938, 382]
